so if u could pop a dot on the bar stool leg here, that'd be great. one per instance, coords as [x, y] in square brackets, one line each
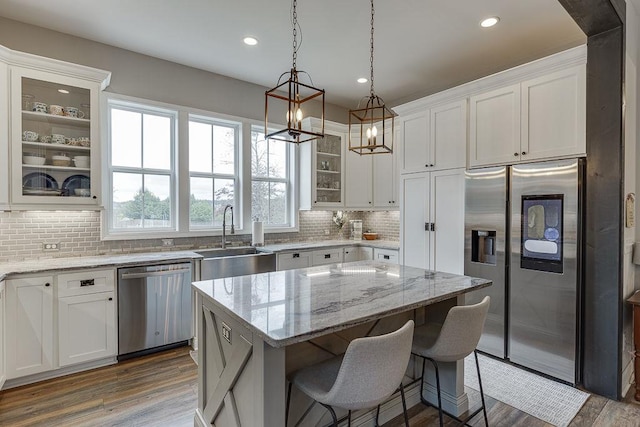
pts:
[377, 416]
[404, 407]
[484, 406]
[435, 365]
[333, 414]
[286, 414]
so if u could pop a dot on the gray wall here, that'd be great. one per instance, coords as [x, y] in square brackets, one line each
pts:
[146, 77]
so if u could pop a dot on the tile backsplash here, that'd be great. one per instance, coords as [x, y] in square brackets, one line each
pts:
[23, 234]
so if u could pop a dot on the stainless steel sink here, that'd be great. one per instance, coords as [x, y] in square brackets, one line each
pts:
[229, 262]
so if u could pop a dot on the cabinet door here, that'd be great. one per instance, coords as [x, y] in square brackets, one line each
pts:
[494, 133]
[322, 172]
[30, 338]
[4, 136]
[327, 256]
[54, 151]
[414, 142]
[414, 214]
[446, 213]
[384, 179]
[351, 253]
[3, 371]
[292, 260]
[553, 115]
[359, 176]
[385, 255]
[448, 148]
[86, 327]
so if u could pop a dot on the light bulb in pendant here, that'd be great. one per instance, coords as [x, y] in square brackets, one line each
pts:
[298, 115]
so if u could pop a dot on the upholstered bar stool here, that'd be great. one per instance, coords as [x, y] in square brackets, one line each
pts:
[368, 373]
[456, 339]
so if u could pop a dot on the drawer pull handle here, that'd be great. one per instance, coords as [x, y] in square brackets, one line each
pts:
[296, 255]
[386, 256]
[327, 256]
[88, 282]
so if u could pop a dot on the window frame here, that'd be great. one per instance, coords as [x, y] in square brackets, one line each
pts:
[290, 183]
[236, 176]
[142, 108]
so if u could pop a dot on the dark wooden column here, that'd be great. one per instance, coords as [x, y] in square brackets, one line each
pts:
[603, 242]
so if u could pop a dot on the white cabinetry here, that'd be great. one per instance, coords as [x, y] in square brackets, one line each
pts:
[4, 131]
[321, 171]
[57, 104]
[3, 371]
[385, 255]
[385, 180]
[432, 223]
[326, 256]
[86, 316]
[293, 260]
[359, 179]
[434, 138]
[540, 118]
[357, 253]
[29, 340]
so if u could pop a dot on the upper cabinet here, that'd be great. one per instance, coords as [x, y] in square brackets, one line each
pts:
[434, 138]
[4, 133]
[322, 171]
[52, 133]
[539, 118]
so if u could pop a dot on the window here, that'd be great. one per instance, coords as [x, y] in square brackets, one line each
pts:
[213, 172]
[141, 167]
[270, 180]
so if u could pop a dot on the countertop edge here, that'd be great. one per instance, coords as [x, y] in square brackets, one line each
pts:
[305, 337]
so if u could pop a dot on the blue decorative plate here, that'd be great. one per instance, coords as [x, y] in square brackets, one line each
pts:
[75, 181]
[39, 181]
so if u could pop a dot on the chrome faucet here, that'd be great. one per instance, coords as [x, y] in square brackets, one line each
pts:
[224, 225]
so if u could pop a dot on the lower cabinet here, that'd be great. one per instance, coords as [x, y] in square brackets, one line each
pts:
[385, 255]
[326, 256]
[293, 260]
[83, 327]
[29, 340]
[86, 327]
[357, 253]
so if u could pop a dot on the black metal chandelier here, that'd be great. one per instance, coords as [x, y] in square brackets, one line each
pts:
[290, 100]
[371, 127]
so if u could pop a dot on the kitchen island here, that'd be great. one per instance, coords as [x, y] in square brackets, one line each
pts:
[254, 330]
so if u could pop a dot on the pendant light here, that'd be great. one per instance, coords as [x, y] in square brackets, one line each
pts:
[292, 100]
[371, 128]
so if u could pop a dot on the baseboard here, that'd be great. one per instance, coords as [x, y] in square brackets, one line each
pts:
[198, 421]
[30, 379]
[450, 403]
[627, 379]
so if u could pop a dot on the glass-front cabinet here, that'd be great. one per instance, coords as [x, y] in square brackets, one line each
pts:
[55, 136]
[322, 172]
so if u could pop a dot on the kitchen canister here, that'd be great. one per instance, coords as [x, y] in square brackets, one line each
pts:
[257, 234]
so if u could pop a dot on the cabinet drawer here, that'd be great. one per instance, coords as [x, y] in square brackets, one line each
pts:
[292, 260]
[328, 256]
[385, 255]
[86, 282]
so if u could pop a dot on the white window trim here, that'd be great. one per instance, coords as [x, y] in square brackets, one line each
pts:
[236, 176]
[291, 180]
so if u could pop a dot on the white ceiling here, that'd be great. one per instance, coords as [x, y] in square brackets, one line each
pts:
[421, 46]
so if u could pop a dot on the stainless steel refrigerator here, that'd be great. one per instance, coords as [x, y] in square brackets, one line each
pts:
[522, 230]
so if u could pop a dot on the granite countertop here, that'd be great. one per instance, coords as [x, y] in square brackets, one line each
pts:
[299, 246]
[291, 306]
[61, 264]
[100, 261]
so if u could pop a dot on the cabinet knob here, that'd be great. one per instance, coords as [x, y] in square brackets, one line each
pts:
[47, 284]
[426, 166]
[369, 202]
[524, 152]
[431, 165]
[110, 299]
[515, 154]
[94, 197]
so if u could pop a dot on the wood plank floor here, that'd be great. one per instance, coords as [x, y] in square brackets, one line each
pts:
[161, 390]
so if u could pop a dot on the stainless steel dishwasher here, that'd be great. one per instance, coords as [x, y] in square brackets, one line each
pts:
[154, 307]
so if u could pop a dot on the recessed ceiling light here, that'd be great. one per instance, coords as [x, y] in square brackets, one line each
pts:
[251, 41]
[63, 91]
[362, 80]
[489, 22]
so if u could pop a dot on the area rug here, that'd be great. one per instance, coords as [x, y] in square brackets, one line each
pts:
[545, 399]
